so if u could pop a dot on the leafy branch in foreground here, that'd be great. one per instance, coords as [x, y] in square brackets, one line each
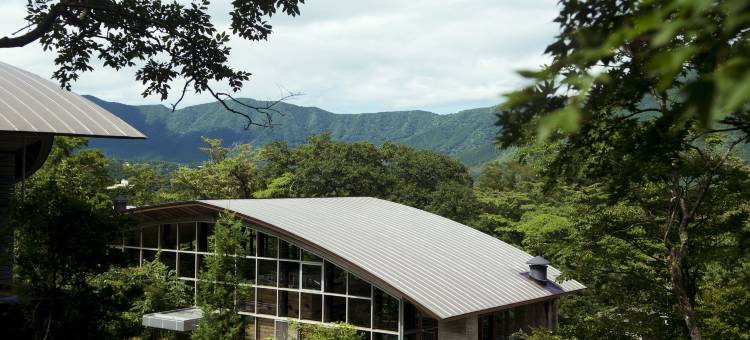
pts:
[168, 41]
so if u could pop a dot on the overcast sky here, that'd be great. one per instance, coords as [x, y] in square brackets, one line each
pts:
[352, 56]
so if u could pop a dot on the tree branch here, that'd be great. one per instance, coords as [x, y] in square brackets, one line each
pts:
[44, 26]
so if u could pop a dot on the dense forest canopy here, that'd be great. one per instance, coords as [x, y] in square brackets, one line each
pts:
[643, 105]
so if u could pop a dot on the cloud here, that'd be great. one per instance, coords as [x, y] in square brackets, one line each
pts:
[363, 56]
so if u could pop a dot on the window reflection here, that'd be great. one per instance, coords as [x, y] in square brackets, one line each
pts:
[151, 237]
[288, 251]
[312, 305]
[246, 270]
[358, 287]
[335, 309]
[288, 274]
[289, 304]
[266, 301]
[186, 236]
[385, 311]
[335, 280]
[186, 266]
[267, 273]
[311, 277]
[168, 236]
[267, 246]
[359, 312]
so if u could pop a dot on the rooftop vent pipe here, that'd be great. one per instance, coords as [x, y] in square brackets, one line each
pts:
[121, 203]
[538, 269]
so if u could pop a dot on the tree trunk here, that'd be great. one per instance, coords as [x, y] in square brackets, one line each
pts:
[678, 255]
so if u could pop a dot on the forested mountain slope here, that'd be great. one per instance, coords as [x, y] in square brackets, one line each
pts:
[175, 136]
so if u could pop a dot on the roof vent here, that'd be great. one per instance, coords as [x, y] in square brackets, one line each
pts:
[121, 203]
[538, 269]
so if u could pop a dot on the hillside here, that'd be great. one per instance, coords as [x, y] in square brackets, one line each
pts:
[175, 136]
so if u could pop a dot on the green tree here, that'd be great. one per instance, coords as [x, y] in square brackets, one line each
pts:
[167, 41]
[338, 331]
[325, 168]
[637, 97]
[60, 240]
[221, 285]
[230, 173]
[132, 292]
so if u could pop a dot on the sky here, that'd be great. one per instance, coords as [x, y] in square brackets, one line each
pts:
[354, 56]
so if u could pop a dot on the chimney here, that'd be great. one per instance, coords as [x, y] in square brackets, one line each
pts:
[121, 203]
[538, 269]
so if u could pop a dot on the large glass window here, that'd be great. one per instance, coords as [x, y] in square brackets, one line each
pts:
[246, 270]
[335, 280]
[384, 336]
[186, 266]
[169, 259]
[149, 255]
[310, 257]
[204, 231]
[359, 312]
[265, 329]
[267, 273]
[151, 237]
[358, 287]
[312, 306]
[186, 236]
[133, 237]
[385, 311]
[266, 301]
[248, 244]
[268, 246]
[288, 250]
[288, 274]
[289, 304]
[335, 309]
[246, 298]
[311, 277]
[249, 327]
[168, 236]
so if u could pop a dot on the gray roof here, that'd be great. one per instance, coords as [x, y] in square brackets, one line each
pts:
[447, 268]
[29, 103]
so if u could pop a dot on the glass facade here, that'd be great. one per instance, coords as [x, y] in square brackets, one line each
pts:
[285, 281]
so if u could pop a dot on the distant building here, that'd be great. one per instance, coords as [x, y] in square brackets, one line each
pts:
[392, 271]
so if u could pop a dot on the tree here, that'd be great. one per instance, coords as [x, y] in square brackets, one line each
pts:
[325, 168]
[166, 40]
[638, 95]
[131, 292]
[338, 331]
[230, 173]
[60, 240]
[221, 285]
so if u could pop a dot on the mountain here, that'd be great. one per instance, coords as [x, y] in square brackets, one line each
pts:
[175, 136]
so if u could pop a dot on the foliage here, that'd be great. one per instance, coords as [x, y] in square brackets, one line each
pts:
[166, 41]
[60, 240]
[637, 99]
[131, 292]
[537, 334]
[616, 249]
[336, 331]
[324, 168]
[230, 173]
[220, 283]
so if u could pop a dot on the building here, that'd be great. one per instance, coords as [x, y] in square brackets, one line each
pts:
[393, 271]
[34, 110]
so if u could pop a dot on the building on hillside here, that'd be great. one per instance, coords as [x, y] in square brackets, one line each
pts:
[392, 271]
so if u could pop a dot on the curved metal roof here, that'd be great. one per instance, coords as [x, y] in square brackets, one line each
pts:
[446, 268]
[29, 103]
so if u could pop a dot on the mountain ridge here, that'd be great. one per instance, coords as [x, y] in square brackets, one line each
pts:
[467, 135]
